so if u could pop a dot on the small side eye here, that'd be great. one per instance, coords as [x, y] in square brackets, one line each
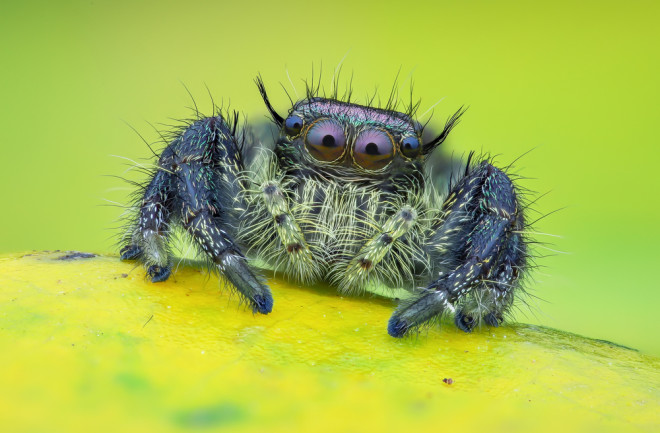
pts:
[293, 125]
[325, 140]
[410, 147]
[373, 149]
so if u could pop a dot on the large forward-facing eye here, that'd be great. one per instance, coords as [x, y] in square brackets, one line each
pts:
[325, 140]
[374, 149]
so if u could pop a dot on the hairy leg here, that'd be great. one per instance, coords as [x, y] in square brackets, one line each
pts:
[199, 177]
[148, 241]
[481, 252]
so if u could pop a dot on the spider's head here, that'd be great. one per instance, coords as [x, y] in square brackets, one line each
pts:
[352, 142]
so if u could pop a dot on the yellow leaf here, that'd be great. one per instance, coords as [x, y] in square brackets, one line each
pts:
[89, 345]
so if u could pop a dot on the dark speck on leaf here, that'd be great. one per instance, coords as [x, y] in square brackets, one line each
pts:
[448, 380]
[73, 255]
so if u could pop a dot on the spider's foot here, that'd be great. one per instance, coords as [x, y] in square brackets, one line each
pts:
[159, 273]
[262, 303]
[251, 287]
[130, 252]
[464, 322]
[492, 320]
[410, 315]
[397, 327]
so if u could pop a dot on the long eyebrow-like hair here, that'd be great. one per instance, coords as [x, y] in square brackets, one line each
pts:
[279, 120]
[449, 125]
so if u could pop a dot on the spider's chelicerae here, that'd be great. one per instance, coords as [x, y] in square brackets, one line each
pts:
[344, 197]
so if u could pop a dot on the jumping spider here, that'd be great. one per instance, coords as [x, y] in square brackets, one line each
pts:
[343, 198]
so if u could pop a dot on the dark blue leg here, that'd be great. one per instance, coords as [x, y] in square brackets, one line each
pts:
[150, 232]
[480, 252]
[199, 184]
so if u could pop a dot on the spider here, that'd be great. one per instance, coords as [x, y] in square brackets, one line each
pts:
[344, 197]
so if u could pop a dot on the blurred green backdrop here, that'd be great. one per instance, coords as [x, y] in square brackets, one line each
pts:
[576, 82]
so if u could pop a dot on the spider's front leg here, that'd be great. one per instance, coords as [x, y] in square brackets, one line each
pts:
[198, 185]
[478, 244]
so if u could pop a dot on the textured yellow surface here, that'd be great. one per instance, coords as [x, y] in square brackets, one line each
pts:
[88, 345]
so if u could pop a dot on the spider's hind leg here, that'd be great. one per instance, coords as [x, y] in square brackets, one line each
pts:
[478, 245]
[150, 234]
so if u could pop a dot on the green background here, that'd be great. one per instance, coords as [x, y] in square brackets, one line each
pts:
[575, 82]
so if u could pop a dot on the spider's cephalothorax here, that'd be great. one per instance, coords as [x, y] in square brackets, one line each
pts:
[343, 198]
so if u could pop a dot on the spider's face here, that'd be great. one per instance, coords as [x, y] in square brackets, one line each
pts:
[347, 139]
[350, 142]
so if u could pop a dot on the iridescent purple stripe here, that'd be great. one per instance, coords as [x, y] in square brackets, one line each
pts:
[356, 113]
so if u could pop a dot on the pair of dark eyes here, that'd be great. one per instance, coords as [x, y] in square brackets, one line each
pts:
[373, 148]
